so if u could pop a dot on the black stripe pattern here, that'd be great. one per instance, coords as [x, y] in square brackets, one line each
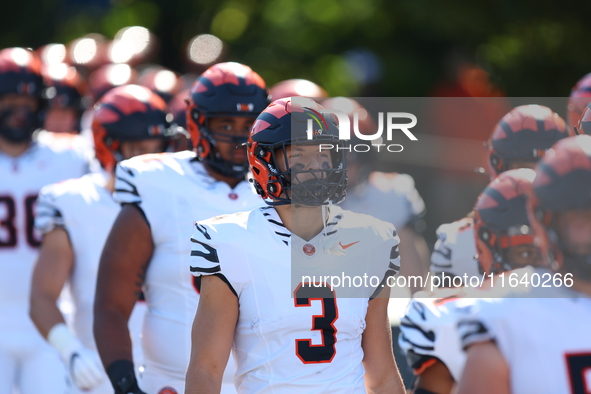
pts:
[276, 225]
[125, 189]
[48, 216]
[204, 257]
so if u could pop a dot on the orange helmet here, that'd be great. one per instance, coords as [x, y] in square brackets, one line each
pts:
[109, 76]
[128, 113]
[282, 123]
[224, 89]
[580, 96]
[562, 183]
[584, 123]
[20, 73]
[162, 81]
[500, 219]
[296, 87]
[524, 134]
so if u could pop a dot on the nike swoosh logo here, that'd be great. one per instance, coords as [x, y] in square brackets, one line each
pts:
[348, 245]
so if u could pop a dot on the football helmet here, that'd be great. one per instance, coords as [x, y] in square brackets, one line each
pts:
[109, 76]
[583, 125]
[224, 89]
[580, 96]
[162, 81]
[523, 135]
[296, 87]
[65, 87]
[501, 222]
[128, 113]
[20, 73]
[284, 122]
[562, 183]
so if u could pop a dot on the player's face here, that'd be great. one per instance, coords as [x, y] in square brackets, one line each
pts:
[223, 129]
[575, 231]
[523, 255]
[305, 158]
[130, 149]
[19, 107]
[61, 120]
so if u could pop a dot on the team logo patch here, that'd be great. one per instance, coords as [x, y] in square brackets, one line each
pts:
[168, 390]
[309, 250]
[245, 107]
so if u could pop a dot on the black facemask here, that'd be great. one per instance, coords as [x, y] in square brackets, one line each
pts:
[22, 133]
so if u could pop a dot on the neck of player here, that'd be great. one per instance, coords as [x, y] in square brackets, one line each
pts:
[233, 182]
[302, 220]
[11, 149]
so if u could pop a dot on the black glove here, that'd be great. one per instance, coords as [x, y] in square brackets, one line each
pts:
[122, 376]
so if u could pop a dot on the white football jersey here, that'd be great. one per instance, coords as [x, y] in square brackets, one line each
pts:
[294, 338]
[428, 330]
[172, 189]
[21, 178]
[455, 249]
[543, 336]
[392, 198]
[86, 210]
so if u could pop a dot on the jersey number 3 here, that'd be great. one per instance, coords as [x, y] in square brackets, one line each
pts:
[579, 369]
[325, 352]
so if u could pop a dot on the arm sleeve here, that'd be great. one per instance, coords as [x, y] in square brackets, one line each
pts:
[391, 244]
[49, 215]
[204, 256]
[126, 191]
[477, 323]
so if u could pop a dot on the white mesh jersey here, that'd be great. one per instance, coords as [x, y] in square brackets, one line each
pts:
[455, 249]
[172, 189]
[21, 178]
[391, 197]
[543, 337]
[295, 338]
[86, 210]
[428, 330]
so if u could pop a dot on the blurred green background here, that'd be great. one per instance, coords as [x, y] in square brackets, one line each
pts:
[354, 47]
[358, 48]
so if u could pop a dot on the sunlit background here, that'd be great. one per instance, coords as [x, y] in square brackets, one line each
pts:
[371, 48]
[356, 48]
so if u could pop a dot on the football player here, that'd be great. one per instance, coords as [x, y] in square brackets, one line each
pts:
[75, 217]
[584, 123]
[148, 244]
[285, 335]
[504, 242]
[26, 165]
[64, 94]
[518, 140]
[391, 197]
[530, 344]
[580, 97]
